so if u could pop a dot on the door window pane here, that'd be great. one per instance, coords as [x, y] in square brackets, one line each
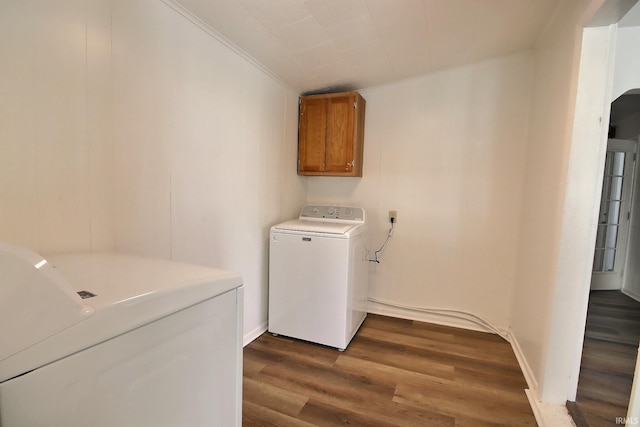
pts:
[610, 210]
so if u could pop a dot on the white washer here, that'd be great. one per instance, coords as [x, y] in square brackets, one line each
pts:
[158, 344]
[318, 275]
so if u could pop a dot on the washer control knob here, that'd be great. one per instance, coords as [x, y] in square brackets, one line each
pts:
[331, 210]
[348, 212]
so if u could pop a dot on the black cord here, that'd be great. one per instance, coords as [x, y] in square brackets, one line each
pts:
[376, 260]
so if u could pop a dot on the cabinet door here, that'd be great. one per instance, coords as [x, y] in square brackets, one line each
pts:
[339, 154]
[313, 130]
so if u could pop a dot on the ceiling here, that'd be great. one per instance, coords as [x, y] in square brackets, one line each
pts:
[328, 45]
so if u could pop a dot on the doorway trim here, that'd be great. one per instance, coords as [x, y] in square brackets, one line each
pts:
[562, 357]
[570, 294]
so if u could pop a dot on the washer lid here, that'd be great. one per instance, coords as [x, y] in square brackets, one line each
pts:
[335, 229]
[120, 292]
[35, 301]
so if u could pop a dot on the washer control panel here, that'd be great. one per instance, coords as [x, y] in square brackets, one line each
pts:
[332, 213]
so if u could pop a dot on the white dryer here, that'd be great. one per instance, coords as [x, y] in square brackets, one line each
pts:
[318, 275]
[115, 340]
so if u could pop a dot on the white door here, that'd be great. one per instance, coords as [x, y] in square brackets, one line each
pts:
[613, 221]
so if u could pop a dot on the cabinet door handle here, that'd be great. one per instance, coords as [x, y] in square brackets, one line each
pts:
[352, 163]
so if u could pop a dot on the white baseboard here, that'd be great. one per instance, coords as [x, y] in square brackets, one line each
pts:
[529, 377]
[546, 414]
[549, 414]
[458, 323]
[252, 335]
[438, 319]
[600, 287]
[535, 407]
[631, 294]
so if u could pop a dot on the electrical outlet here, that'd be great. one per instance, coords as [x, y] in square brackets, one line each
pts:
[393, 216]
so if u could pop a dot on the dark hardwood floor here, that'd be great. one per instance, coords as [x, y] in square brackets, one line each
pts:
[608, 357]
[394, 373]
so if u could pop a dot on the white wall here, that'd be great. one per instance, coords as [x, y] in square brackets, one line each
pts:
[627, 62]
[539, 300]
[126, 126]
[205, 149]
[580, 215]
[599, 76]
[627, 77]
[447, 152]
[630, 129]
[56, 165]
[567, 147]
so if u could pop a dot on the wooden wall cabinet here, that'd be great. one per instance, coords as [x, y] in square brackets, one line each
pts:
[331, 134]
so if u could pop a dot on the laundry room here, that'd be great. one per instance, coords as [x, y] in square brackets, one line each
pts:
[147, 128]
